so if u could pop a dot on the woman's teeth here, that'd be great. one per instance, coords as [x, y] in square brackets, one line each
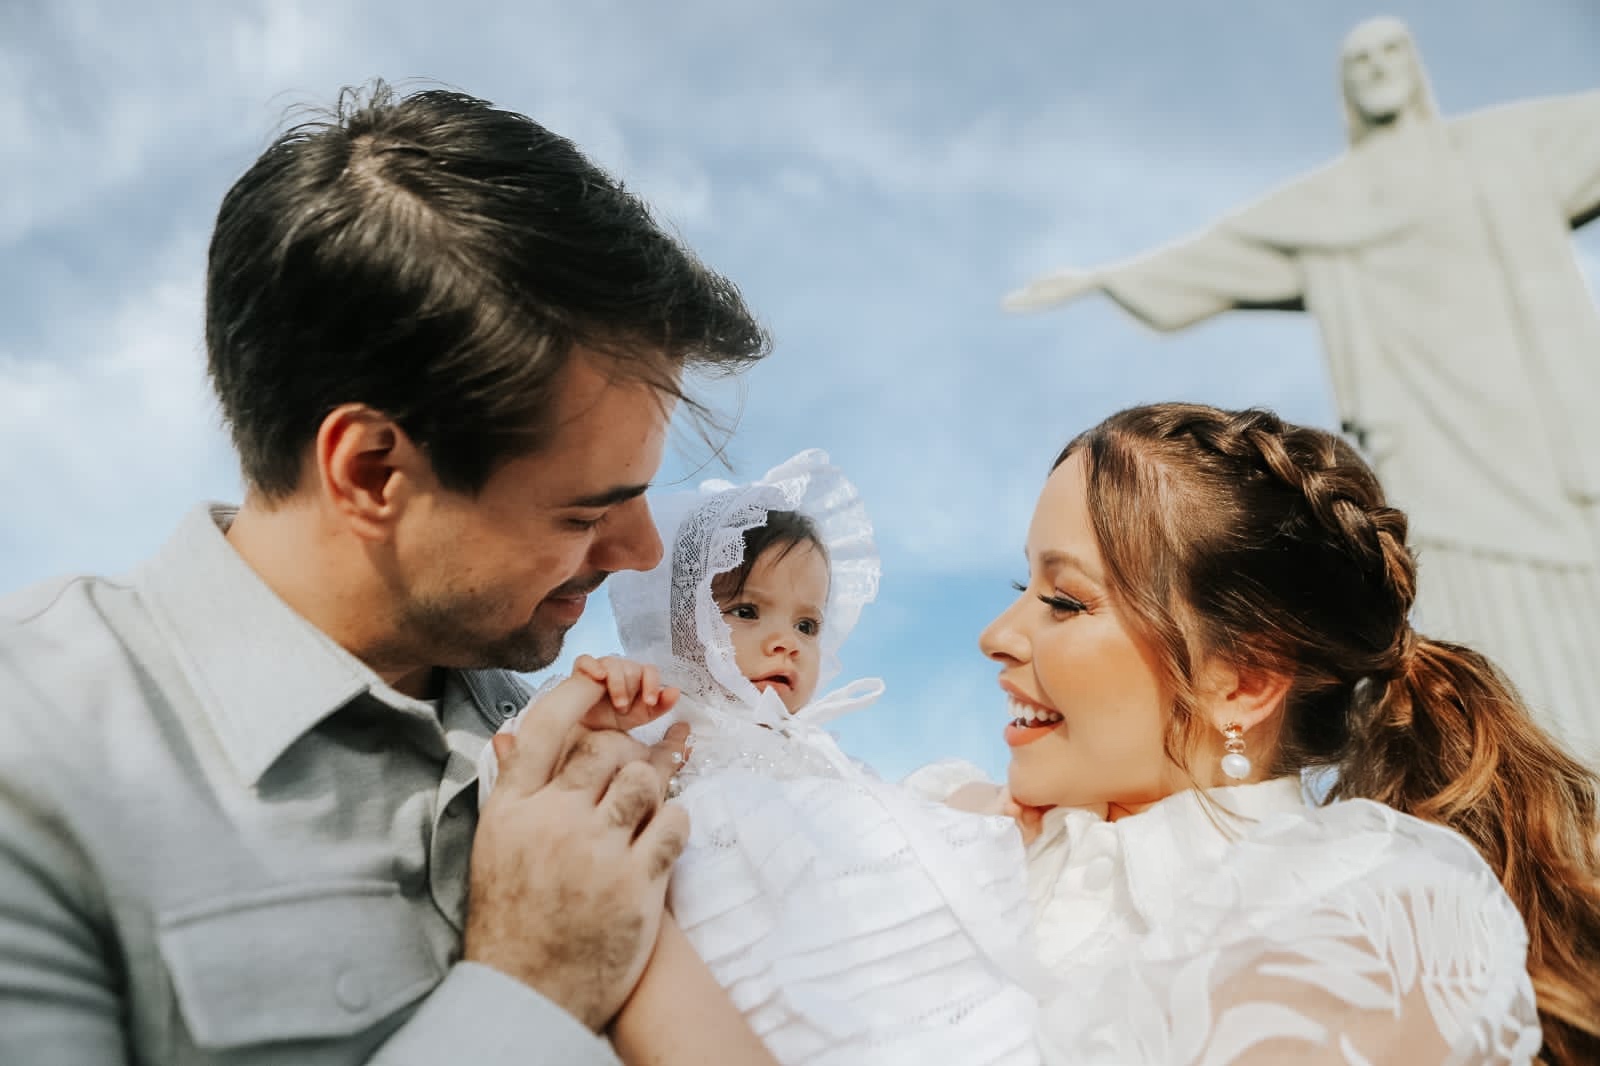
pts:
[1025, 715]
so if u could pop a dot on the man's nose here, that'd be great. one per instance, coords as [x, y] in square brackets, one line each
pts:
[629, 539]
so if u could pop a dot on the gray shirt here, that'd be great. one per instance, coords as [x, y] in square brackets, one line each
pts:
[223, 839]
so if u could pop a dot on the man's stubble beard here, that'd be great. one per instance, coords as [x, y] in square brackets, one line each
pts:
[445, 632]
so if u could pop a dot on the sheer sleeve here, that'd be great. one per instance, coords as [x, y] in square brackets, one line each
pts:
[1416, 955]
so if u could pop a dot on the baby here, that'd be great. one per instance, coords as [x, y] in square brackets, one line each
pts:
[848, 919]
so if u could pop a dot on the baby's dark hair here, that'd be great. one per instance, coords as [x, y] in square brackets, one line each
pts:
[784, 531]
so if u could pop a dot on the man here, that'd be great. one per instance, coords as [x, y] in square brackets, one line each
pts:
[236, 802]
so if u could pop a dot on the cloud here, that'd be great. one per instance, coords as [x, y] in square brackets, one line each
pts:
[873, 177]
[109, 434]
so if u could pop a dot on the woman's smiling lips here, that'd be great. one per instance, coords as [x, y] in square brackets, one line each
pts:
[1029, 721]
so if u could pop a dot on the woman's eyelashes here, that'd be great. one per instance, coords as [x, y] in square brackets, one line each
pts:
[1059, 602]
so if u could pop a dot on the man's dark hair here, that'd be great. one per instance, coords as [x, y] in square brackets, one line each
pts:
[438, 259]
[783, 531]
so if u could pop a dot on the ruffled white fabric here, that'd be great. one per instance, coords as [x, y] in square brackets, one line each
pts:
[854, 923]
[850, 921]
[1240, 926]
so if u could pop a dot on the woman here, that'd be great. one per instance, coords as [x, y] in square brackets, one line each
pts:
[1216, 602]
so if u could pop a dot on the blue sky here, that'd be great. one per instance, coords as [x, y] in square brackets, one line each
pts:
[875, 177]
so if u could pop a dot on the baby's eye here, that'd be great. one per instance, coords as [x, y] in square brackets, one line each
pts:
[808, 627]
[747, 611]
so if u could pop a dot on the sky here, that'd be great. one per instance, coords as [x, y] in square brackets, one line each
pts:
[873, 176]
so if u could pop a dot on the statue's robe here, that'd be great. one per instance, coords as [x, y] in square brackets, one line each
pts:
[1464, 348]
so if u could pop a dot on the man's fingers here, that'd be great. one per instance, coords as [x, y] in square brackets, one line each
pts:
[502, 744]
[634, 794]
[596, 756]
[663, 840]
[667, 755]
[543, 734]
[589, 667]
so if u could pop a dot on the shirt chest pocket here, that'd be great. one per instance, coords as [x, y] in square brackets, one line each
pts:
[299, 962]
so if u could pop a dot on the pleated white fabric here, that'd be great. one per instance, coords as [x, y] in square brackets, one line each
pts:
[853, 923]
[1538, 621]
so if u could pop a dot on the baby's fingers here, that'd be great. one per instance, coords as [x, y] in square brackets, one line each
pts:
[633, 714]
[650, 685]
[590, 667]
[622, 681]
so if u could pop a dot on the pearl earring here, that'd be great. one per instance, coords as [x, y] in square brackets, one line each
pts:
[1235, 764]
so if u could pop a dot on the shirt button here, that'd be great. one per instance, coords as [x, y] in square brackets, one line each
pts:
[351, 992]
[1097, 875]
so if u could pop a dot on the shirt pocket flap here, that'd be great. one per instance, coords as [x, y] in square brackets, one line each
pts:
[296, 962]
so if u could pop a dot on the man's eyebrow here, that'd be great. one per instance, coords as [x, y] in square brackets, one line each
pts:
[610, 497]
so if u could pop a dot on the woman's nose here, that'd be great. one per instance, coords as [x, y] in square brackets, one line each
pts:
[1001, 640]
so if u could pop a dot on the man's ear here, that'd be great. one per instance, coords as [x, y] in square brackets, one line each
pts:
[1247, 696]
[369, 468]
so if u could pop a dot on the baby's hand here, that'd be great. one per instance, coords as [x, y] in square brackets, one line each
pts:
[979, 797]
[1030, 820]
[637, 695]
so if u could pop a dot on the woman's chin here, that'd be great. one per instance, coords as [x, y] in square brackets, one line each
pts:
[1028, 791]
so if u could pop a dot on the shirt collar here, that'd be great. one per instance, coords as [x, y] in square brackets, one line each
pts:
[261, 673]
[1167, 846]
[1164, 848]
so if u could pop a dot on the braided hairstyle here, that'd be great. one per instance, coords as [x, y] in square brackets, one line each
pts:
[1234, 534]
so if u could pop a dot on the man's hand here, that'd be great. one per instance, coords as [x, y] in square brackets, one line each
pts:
[570, 862]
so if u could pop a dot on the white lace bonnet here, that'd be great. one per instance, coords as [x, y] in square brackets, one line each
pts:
[668, 616]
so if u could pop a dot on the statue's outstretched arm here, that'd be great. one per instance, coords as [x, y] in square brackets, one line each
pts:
[1220, 269]
[1052, 290]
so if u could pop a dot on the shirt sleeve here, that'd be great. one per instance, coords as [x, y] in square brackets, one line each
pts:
[60, 1003]
[482, 1016]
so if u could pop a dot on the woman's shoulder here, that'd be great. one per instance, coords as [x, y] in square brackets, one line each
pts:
[1357, 838]
[1372, 871]
[1348, 927]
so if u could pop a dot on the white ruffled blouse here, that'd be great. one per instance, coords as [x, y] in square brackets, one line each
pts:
[1242, 926]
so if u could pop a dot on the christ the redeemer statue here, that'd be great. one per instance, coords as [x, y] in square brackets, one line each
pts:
[1462, 341]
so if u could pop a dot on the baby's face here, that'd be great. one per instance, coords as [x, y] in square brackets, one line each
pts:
[776, 623]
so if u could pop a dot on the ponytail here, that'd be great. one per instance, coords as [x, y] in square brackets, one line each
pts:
[1237, 531]
[1448, 740]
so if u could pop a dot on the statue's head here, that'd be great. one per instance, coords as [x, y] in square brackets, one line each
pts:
[1382, 77]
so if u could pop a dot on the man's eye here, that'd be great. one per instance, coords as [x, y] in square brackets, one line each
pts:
[585, 523]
